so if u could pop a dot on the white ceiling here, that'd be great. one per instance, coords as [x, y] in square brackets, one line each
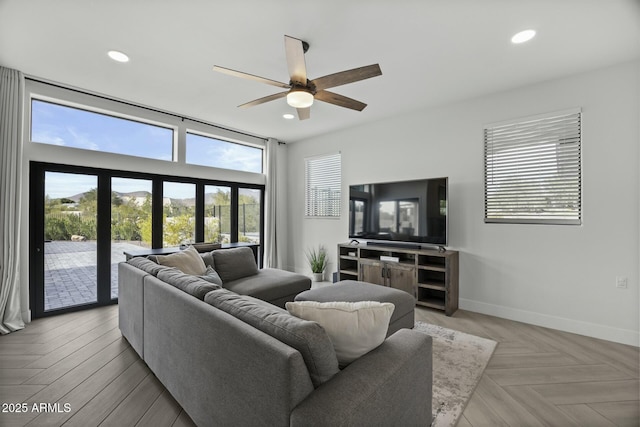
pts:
[431, 52]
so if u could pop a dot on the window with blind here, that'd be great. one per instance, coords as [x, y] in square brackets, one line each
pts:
[323, 180]
[533, 170]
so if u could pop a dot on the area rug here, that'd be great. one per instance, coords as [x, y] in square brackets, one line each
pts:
[459, 360]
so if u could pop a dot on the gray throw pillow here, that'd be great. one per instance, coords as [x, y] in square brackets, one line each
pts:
[192, 285]
[211, 276]
[235, 263]
[309, 338]
[207, 257]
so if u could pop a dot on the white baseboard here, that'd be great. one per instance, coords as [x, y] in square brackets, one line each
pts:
[622, 336]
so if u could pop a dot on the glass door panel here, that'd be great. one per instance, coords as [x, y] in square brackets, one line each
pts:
[217, 214]
[179, 213]
[249, 215]
[70, 232]
[131, 204]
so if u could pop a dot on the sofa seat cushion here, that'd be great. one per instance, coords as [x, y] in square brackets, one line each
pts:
[233, 264]
[355, 328]
[270, 284]
[309, 338]
[192, 285]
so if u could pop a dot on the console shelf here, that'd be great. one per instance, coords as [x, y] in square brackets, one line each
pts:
[431, 277]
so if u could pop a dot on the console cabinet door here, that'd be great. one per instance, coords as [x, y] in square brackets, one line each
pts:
[372, 272]
[401, 277]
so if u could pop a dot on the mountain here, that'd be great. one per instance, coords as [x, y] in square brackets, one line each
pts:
[140, 197]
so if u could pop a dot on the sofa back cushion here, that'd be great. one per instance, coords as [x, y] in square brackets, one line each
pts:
[235, 263]
[309, 338]
[192, 285]
[147, 265]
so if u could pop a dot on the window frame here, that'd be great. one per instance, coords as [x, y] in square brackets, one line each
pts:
[537, 127]
[335, 202]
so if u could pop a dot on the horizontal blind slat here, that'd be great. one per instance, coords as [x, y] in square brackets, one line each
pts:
[323, 186]
[533, 170]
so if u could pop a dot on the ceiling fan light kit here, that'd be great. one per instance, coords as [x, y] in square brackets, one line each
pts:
[303, 91]
[299, 98]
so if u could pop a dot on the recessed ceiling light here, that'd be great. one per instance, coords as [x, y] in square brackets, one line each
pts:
[118, 56]
[288, 116]
[523, 36]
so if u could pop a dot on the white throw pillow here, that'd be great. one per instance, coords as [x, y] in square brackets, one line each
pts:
[355, 328]
[188, 261]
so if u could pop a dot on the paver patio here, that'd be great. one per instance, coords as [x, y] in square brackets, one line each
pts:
[70, 272]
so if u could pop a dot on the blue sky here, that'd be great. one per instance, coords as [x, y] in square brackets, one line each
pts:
[58, 185]
[205, 151]
[70, 127]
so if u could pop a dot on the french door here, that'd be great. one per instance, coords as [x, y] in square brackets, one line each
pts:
[69, 262]
[82, 220]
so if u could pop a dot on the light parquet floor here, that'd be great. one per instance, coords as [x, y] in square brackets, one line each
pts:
[537, 376]
[544, 377]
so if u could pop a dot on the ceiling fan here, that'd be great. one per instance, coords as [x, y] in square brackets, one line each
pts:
[303, 91]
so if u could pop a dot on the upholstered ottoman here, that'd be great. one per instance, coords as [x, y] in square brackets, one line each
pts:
[354, 291]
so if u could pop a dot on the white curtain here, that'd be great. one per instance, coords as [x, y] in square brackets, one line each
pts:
[271, 236]
[11, 93]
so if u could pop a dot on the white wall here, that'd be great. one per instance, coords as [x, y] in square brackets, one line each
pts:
[556, 276]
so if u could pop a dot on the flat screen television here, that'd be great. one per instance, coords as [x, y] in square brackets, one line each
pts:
[404, 211]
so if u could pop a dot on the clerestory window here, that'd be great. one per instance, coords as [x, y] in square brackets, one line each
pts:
[61, 125]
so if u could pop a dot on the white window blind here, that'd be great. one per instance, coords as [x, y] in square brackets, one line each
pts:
[533, 170]
[323, 180]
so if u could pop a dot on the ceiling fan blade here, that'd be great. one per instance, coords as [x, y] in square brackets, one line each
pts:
[295, 60]
[340, 100]
[349, 76]
[304, 113]
[240, 74]
[263, 100]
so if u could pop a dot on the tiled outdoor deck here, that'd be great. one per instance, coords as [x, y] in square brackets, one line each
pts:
[70, 272]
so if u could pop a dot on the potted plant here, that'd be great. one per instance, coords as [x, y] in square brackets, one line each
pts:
[318, 262]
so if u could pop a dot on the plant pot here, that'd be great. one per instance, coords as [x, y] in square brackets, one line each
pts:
[317, 277]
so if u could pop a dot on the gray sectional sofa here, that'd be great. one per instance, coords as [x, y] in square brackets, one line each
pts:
[231, 356]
